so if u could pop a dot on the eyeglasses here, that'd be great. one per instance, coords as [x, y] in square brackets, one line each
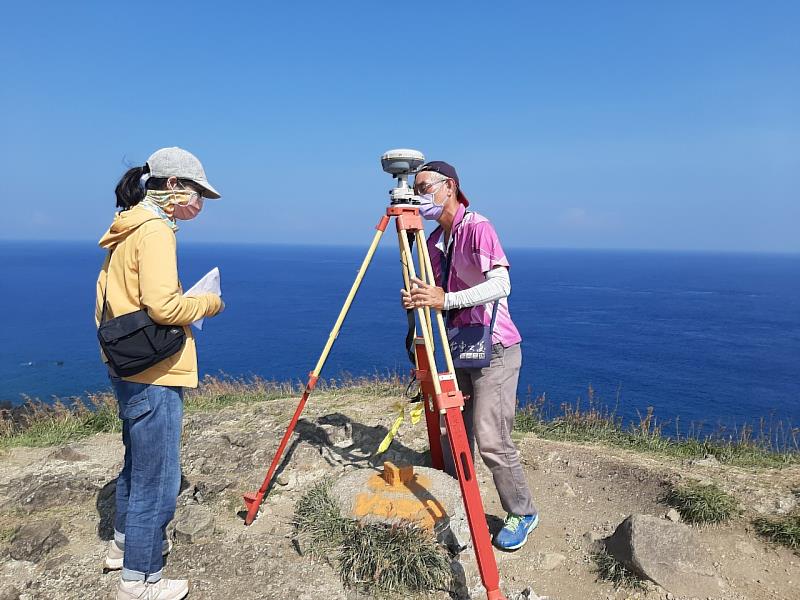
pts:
[195, 194]
[427, 187]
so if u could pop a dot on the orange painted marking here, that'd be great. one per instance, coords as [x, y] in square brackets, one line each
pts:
[399, 493]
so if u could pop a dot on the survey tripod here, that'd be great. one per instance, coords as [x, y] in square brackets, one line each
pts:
[440, 393]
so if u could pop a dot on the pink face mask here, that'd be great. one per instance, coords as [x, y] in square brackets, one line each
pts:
[188, 211]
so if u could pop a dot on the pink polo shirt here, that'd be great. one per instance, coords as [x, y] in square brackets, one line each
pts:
[477, 250]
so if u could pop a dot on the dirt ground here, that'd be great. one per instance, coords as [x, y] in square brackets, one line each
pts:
[580, 490]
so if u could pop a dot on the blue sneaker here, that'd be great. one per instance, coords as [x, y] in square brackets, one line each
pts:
[515, 531]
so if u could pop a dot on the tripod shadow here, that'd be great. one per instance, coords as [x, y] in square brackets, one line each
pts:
[357, 448]
[106, 505]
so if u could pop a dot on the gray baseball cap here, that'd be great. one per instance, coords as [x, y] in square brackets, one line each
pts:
[177, 162]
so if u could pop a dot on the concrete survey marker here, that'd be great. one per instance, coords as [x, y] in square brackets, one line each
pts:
[401, 494]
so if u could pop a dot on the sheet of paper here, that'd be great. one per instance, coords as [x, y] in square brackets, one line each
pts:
[208, 283]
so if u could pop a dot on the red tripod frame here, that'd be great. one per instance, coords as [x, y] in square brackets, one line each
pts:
[440, 394]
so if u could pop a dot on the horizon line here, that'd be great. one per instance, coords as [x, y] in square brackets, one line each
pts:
[93, 242]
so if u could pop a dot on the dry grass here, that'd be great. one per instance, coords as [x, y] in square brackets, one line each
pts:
[49, 424]
[53, 424]
[588, 420]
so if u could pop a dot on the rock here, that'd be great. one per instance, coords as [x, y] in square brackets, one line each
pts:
[204, 491]
[431, 497]
[709, 460]
[338, 429]
[193, 523]
[68, 454]
[240, 439]
[9, 592]
[665, 553]
[568, 491]
[36, 494]
[673, 515]
[786, 504]
[33, 541]
[526, 594]
[548, 561]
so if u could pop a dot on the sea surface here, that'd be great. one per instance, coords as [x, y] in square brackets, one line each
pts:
[709, 339]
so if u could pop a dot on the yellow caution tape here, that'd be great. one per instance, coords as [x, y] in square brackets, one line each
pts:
[416, 414]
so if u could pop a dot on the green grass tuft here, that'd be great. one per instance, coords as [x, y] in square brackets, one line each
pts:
[318, 521]
[372, 557]
[610, 569]
[783, 530]
[702, 504]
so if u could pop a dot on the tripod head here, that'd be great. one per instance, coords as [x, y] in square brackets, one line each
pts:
[401, 163]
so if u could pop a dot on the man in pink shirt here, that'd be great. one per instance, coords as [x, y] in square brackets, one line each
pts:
[465, 248]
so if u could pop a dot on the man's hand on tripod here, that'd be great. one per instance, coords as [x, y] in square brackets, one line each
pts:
[421, 295]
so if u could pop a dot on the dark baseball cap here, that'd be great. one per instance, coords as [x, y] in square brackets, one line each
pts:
[448, 170]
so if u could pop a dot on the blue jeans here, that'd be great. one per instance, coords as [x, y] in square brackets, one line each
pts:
[149, 483]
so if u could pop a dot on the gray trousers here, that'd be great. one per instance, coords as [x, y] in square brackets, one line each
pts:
[488, 418]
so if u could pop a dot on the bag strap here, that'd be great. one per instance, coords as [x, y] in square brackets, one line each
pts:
[494, 316]
[105, 291]
[447, 259]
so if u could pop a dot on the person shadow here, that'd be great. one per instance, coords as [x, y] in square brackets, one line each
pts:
[106, 506]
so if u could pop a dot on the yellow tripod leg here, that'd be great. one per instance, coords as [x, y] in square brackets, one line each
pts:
[425, 258]
[424, 276]
[405, 251]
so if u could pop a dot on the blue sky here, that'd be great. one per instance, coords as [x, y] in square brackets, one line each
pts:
[658, 125]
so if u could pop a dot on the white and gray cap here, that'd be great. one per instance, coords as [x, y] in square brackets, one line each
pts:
[177, 162]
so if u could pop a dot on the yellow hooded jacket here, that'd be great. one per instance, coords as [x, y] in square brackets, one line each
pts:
[143, 274]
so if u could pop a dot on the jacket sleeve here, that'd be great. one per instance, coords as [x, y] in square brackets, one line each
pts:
[159, 289]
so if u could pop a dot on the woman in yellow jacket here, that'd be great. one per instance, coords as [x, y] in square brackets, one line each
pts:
[141, 273]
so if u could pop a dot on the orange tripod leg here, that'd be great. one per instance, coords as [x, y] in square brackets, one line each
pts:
[451, 403]
[253, 500]
[448, 401]
[428, 399]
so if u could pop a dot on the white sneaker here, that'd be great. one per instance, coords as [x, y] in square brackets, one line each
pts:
[115, 555]
[164, 589]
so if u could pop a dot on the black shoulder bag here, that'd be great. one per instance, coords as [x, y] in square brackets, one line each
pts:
[133, 342]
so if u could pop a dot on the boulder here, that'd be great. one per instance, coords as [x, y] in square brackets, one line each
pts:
[421, 494]
[33, 541]
[665, 553]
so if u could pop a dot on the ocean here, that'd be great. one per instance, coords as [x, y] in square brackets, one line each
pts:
[709, 339]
